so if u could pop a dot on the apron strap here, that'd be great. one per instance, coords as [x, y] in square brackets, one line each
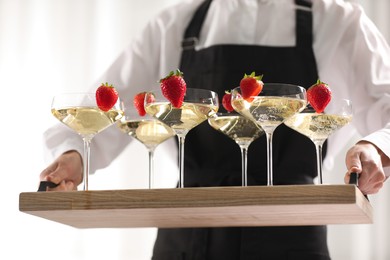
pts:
[304, 24]
[304, 3]
[192, 32]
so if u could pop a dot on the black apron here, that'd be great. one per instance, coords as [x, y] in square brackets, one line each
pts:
[212, 159]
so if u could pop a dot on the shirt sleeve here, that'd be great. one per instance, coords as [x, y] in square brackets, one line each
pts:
[372, 100]
[354, 58]
[152, 54]
[135, 69]
[381, 139]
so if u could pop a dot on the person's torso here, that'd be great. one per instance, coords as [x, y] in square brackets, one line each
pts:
[211, 159]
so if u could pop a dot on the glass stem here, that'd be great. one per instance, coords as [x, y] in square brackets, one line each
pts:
[181, 160]
[151, 168]
[244, 160]
[319, 161]
[86, 161]
[269, 159]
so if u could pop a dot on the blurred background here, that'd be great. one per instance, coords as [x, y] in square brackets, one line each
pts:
[50, 46]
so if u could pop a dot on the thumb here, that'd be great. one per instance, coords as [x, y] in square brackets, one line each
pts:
[58, 175]
[353, 162]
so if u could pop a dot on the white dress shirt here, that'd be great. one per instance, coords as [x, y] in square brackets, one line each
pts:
[352, 57]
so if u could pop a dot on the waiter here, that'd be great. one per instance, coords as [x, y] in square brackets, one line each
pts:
[214, 43]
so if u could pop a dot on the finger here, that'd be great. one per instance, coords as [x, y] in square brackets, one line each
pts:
[46, 172]
[371, 183]
[70, 185]
[347, 177]
[372, 189]
[372, 172]
[60, 187]
[353, 161]
[376, 188]
[64, 186]
[58, 175]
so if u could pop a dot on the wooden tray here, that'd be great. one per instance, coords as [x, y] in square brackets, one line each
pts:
[202, 207]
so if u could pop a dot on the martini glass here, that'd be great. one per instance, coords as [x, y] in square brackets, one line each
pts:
[240, 129]
[80, 113]
[147, 130]
[276, 103]
[319, 126]
[198, 106]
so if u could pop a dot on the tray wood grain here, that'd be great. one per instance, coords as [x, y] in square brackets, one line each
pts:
[202, 207]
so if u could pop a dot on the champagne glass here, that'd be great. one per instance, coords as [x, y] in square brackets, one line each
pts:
[80, 113]
[240, 129]
[275, 103]
[198, 106]
[147, 130]
[319, 126]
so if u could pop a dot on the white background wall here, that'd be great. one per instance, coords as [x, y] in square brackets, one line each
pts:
[47, 46]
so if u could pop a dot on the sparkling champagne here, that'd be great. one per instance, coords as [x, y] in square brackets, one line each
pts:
[181, 119]
[87, 121]
[241, 129]
[269, 111]
[150, 132]
[318, 127]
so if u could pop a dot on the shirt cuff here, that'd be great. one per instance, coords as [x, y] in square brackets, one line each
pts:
[381, 139]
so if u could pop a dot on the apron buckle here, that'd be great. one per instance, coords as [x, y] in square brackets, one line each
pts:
[189, 43]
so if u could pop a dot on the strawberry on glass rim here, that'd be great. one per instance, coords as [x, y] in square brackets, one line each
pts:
[251, 85]
[106, 96]
[138, 102]
[319, 96]
[174, 87]
[227, 101]
[196, 106]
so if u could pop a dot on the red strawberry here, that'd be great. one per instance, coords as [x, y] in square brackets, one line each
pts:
[174, 87]
[227, 101]
[138, 101]
[106, 97]
[319, 96]
[251, 85]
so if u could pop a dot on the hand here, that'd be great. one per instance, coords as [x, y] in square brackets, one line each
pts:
[66, 170]
[366, 159]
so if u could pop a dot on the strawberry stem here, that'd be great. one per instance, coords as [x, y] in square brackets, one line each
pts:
[107, 85]
[253, 75]
[320, 82]
[177, 72]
